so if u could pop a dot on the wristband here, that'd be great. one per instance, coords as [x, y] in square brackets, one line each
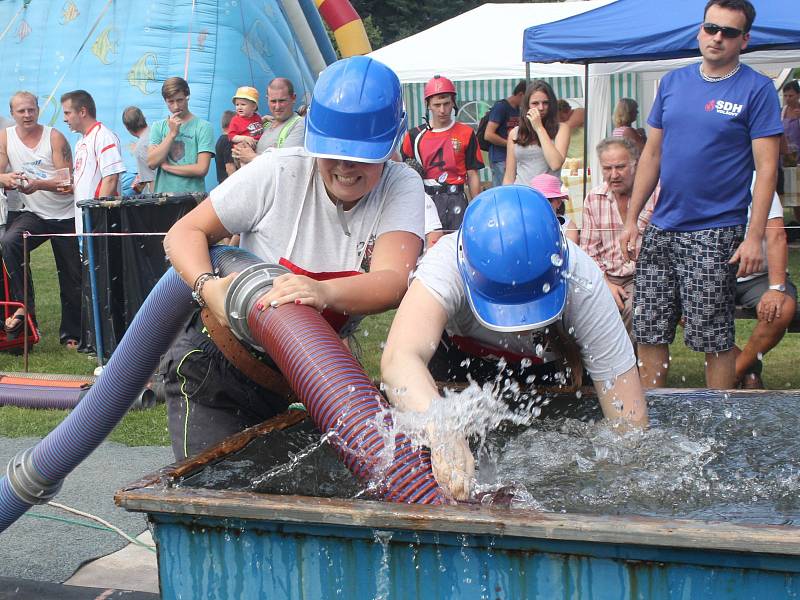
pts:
[198, 288]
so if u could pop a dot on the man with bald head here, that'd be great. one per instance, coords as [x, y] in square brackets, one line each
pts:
[285, 129]
[35, 153]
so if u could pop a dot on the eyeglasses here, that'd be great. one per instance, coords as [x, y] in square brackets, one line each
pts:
[727, 32]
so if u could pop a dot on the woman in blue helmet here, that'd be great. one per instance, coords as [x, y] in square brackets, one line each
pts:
[337, 207]
[490, 287]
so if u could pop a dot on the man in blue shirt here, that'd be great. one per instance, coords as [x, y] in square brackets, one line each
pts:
[711, 125]
[503, 117]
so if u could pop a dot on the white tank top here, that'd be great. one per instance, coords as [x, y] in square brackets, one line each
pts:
[37, 163]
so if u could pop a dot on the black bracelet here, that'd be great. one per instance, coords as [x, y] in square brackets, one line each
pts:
[197, 280]
[198, 288]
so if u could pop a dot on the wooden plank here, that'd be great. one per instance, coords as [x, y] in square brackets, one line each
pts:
[468, 519]
[228, 446]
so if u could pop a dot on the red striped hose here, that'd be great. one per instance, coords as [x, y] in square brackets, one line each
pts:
[342, 400]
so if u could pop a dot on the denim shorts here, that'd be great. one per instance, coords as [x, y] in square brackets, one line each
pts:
[687, 273]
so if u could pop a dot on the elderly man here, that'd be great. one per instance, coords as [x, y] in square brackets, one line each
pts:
[284, 130]
[35, 154]
[711, 124]
[604, 213]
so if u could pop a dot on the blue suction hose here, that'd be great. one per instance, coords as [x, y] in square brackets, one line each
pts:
[35, 475]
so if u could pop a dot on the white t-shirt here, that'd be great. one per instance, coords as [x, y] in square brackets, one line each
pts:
[97, 155]
[432, 220]
[279, 205]
[590, 315]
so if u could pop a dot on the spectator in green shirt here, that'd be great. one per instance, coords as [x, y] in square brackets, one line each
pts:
[182, 145]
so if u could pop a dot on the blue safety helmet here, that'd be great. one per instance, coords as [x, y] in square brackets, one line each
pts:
[512, 257]
[356, 112]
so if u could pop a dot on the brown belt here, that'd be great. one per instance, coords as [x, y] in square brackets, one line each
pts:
[232, 349]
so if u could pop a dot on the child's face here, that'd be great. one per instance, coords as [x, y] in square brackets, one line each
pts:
[244, 108]
[557, 204]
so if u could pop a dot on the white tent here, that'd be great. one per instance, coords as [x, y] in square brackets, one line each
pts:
[486, 43]
[483, 43]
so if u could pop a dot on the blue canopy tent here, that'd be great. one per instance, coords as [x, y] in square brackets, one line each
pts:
[653, 36]
[648, 30]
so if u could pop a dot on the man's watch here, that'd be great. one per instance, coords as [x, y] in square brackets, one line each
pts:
[778, 287]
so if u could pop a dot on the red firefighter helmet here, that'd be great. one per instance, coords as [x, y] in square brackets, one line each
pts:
[439, 85]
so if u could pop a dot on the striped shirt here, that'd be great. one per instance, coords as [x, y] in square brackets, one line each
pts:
[601, 229]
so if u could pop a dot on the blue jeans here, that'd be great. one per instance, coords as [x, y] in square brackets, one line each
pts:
[498, 170]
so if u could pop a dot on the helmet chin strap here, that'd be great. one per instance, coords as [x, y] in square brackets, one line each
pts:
[342, 217]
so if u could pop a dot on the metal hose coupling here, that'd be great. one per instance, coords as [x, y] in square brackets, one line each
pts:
[249, 285]
[26, 481]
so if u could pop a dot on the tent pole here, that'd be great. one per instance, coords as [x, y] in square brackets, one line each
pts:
[527, 73]
[585, 124]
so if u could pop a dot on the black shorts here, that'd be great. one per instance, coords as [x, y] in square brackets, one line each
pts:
[451, 207]
[687, 272]
[208, 399]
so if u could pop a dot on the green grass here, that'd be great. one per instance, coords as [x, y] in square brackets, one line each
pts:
[144, 428]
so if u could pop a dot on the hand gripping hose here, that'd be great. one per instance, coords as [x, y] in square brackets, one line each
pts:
[337, 393]
[331, 384]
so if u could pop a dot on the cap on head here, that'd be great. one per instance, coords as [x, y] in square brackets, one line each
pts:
[246, 93]
[549, 185]
[512, 258]
[439, 85]
[356, 112]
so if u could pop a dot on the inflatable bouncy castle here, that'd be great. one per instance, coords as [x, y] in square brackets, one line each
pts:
[122, 51]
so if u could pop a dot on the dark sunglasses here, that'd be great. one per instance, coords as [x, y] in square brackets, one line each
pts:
[727, 32]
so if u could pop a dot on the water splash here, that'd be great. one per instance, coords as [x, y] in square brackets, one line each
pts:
[703, 457]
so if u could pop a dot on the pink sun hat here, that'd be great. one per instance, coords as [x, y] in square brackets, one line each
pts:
[549, 185]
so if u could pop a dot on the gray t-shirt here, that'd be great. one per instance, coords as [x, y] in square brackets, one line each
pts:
[295, 137]
[140, 152]
[530, 163]
[590, 314]
[279, 205]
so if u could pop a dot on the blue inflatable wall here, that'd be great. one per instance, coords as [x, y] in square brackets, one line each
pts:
[122, 51]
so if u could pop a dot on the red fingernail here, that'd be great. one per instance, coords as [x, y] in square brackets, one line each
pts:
[297, 301]
[259, 306]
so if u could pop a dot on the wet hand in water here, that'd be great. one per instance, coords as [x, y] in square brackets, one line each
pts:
[453, 463]
[298, 289]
